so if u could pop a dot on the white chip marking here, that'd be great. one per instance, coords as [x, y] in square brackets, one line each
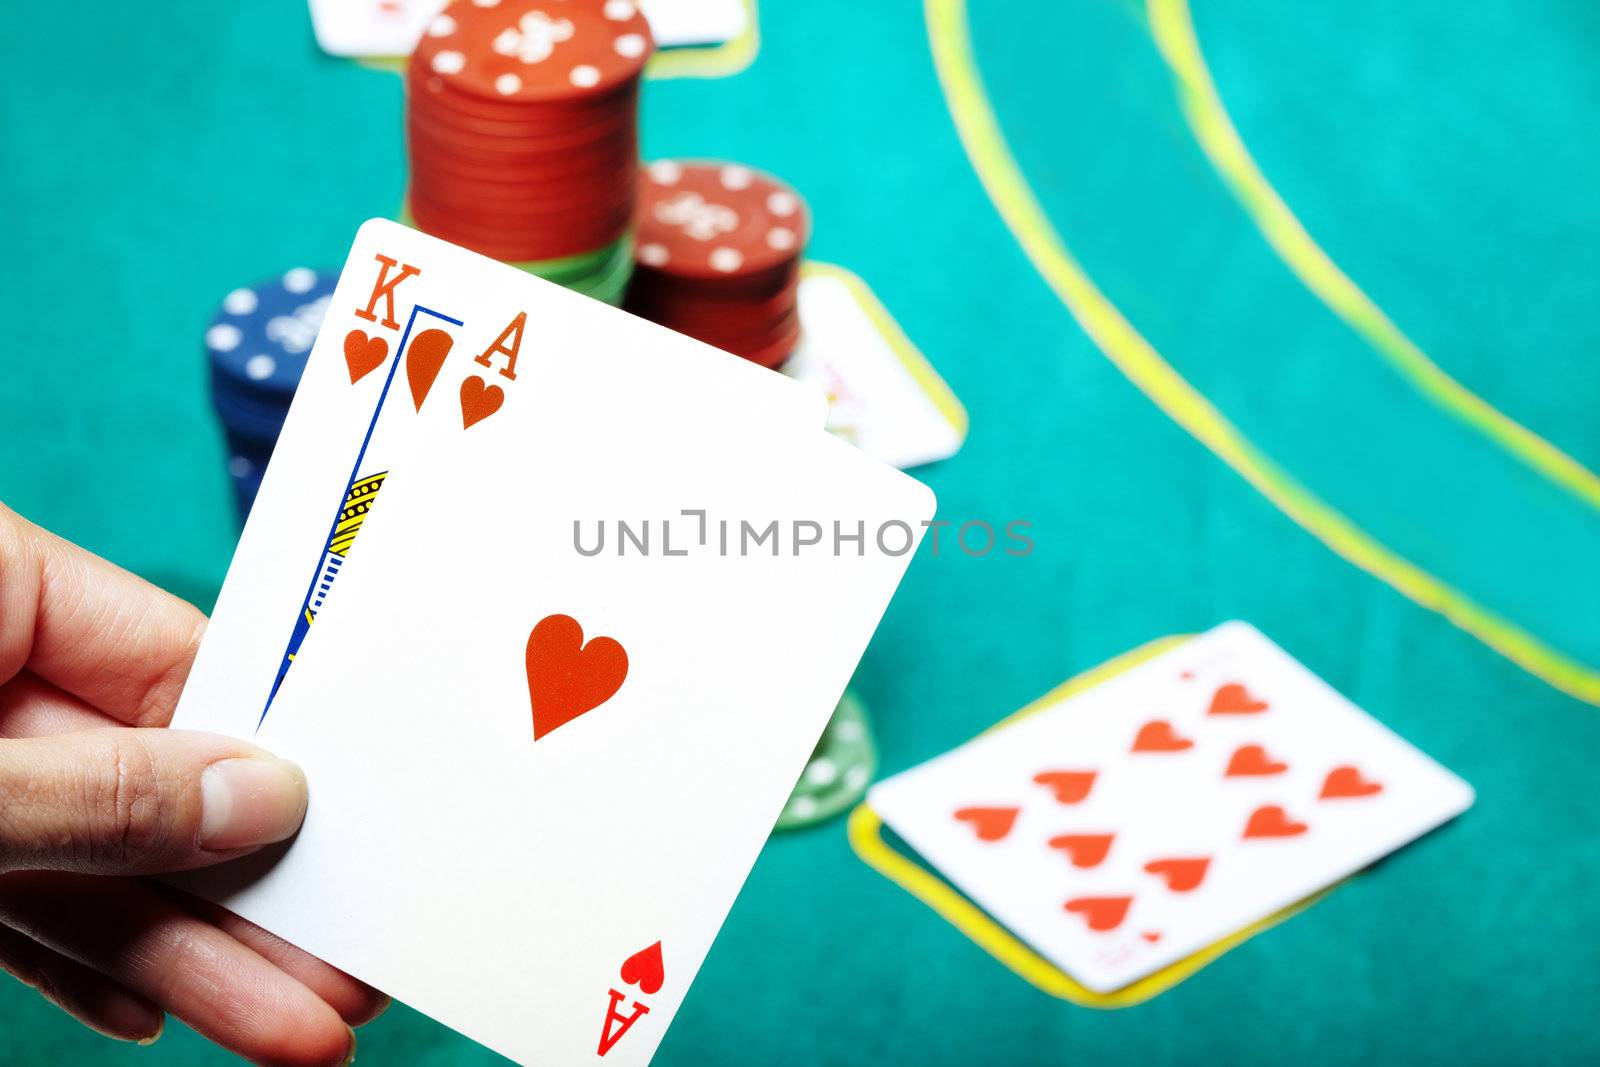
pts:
[620, 10]
[802, 807]
[260, 366]
[736, 177]
[585, 77]
[300, 280]
[857, 778]
[664, 172]
[651, 255]
[239, 467]
[727, 260]
[630, 45]
[239, 302]
[848, 730]
[449, 62]
[781, 238]
[486, 3]
[443, 26]
[821, 771]
[508, 85]
[223, 337]
[783, 204]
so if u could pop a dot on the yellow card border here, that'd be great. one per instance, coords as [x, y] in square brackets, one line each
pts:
[865, 832]
[922, 372]
[714, 61]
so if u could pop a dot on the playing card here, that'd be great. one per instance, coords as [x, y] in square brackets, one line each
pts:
[883, 396]
[394, 347]
[540, 775]
[1175, 804]
[375, 28]
[676, 23]
[371, 27]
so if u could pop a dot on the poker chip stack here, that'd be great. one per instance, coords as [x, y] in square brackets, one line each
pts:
[522, 124]
[257, 346]
[718, 257]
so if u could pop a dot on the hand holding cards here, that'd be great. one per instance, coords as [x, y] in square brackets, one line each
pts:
[550, 652]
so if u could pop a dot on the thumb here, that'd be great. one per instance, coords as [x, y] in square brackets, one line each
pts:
[141, 801]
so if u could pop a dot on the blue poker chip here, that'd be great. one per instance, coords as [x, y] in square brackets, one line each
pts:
[260, 337]
[245, 473]
[256, 419]
[251, 450]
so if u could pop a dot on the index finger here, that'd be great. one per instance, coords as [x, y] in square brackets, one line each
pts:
[91, 628]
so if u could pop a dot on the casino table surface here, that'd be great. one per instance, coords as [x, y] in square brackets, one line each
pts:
[1283, 312]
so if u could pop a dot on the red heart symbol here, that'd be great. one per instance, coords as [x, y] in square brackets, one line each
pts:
[363, 354]
[1084, 850]
[1181, 875]
[1253, 760]
[990, 824]
[1157, 735]
[1347, 782]
[1069, 786]
[567, 677]
[423, 360]
[1151, 936]
[479, 401]
[643, 969]
[1272, 821]
[1100, 913]
[1235, 699]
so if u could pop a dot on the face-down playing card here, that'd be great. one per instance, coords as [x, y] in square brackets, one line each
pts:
[538, 774]
[1172, 806]
[415, 327]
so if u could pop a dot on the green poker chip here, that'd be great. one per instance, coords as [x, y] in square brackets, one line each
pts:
[601, 273]
[839, 771]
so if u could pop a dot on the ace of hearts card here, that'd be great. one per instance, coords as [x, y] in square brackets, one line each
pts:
[541, 765]
[1176, 804]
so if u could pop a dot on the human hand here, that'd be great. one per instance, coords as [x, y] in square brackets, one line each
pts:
[93, 794]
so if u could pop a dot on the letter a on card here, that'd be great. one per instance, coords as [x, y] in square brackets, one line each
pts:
[616, 1023]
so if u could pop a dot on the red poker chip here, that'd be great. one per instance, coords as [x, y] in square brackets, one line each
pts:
[436, 93]
[619, 165]
[533, 215]
[718, 257]
[716, 220]
[710, 304]
[545, 135]
[426, 147]
[496, 202]
[774, 354]
[522, 243]
[523, 118]
[534, 50]
[522, 125]
[537, 216]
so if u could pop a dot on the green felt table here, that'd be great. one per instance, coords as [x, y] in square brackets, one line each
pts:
[1193, 431]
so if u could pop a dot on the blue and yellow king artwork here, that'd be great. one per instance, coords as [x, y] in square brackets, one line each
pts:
[361, 491]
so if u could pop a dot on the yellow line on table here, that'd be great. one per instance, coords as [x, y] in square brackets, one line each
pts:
[1143, 365]
[1172, 26]
[714, 61]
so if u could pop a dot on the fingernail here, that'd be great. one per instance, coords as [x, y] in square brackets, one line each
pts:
[161, 1028]
[250, 801]
[351, 1058]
